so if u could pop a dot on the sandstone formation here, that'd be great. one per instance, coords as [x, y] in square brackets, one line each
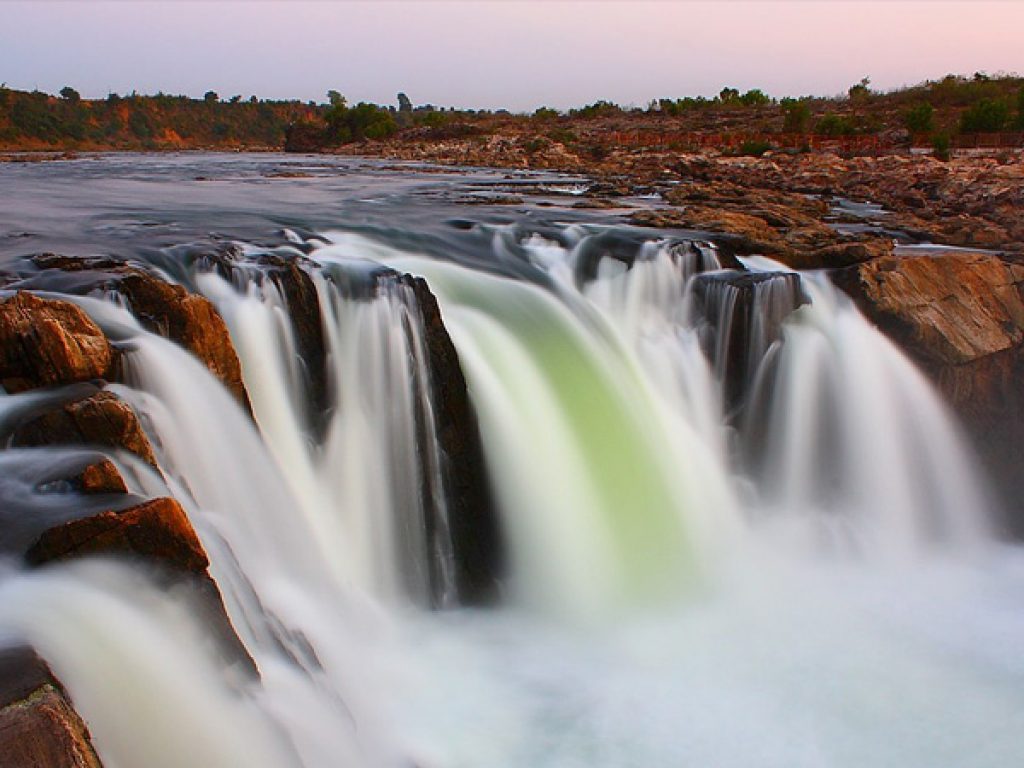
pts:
[45, 342]
[39, 727]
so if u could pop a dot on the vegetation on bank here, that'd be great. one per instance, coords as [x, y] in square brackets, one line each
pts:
[935, 113]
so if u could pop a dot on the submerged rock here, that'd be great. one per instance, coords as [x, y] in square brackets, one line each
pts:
[47, 342]
[961, 317]
[39, 727]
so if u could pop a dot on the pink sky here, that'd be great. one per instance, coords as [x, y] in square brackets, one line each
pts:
[491, 54]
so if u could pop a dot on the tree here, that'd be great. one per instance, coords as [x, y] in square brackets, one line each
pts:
[1020, 109]
[728, 95]
[797, 116]
[754, 98]
[404, 104]
[985, 116]
[235, 99]
[211, 97]
[919, 118]
[860, 91]
[545, 113]
[70, 94]
[335, 99]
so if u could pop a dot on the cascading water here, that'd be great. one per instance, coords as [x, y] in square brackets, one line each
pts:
[779, 570]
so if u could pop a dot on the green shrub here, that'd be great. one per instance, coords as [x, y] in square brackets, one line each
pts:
[835, 125]
[986, 116]
[920, 118]
[797, 116]
[545, 113]
[940, 145]
[753, 148]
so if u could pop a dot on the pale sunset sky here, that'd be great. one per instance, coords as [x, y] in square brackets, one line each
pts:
[501, 53]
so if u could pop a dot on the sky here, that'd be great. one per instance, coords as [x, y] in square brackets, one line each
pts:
[501, 53]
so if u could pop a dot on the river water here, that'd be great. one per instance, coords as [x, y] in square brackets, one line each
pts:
[742, 530]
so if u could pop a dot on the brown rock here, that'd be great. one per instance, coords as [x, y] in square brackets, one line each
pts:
[101, 477]
[47, 342]
[948, 309]
[39, 727]
[961, 317]
[156, 530]
[101, 419]
[188, 319]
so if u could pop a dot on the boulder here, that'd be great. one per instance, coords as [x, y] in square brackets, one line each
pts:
[960, 316]
[161, 307]
[48, 342]
[188, 319]
[100, 419]
[157, 530]
[39, 727]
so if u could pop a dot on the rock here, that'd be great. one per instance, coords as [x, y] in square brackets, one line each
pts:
[960, 316]
[157, 530]
[472, 513]
[161, 307]
[188, 319]
[38, 724]
[101, 419]
[842, 254]
[947, 309]
[743, 313]
[98, 478]
[47, 342]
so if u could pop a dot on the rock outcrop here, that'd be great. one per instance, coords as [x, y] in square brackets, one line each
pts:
[157, 531]
[46, 342]
[961, 317]
[100, 419]
[472, 514]
[39, 727]
[164, 308]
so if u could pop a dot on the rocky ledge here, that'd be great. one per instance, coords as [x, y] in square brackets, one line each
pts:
[960, 316]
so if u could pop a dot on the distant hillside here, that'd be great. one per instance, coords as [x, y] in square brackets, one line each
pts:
[954, 111]
[39, 121]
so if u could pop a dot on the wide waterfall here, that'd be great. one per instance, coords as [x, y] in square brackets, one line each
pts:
[741, 528]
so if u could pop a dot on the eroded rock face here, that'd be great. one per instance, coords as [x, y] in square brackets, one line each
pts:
[164, 308]
[961, 317]
[101, 419]
[39, 727]
[157, 530]
[472, 514]
[45, 342]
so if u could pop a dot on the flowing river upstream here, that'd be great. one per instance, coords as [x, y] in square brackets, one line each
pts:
[717, 518]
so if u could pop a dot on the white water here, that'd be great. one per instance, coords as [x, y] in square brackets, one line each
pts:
[832, 602]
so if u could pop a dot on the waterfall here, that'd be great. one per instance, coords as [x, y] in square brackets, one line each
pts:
[677, 450]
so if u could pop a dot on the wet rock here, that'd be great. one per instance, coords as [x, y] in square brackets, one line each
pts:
[838, 255]
[98, 478]
[157, 530]
[161, 307]
[188, 319]
[47, 342]
[743, 314]
[472, 513]
[38, 724]
[960, 316]
[101, 419]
